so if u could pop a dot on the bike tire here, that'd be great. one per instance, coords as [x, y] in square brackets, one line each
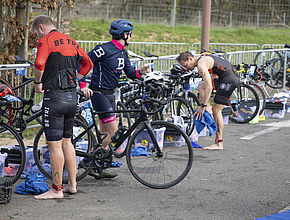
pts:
[159, 171]
[244, 103]
[262, 57]
[261, 95]
[42, 158]
[12, 144]
[273, 67]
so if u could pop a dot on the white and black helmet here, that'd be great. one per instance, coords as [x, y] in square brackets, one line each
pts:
[156, 76]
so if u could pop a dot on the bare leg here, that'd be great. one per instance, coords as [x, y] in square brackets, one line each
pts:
[110, 129]
[56, 162]
[217, 114]
[70, 164]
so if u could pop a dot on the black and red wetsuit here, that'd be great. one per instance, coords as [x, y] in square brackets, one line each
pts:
[227, 80]
[58, 56]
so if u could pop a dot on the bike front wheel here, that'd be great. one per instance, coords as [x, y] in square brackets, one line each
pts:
[159, 169]
[12, 153]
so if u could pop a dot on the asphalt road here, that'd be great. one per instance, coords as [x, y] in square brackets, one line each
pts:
[250, 178]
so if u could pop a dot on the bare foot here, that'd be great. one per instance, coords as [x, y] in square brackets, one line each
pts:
[51, 194]
[70, 189]
[215, 146]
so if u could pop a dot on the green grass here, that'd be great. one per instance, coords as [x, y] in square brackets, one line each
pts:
[99, 30]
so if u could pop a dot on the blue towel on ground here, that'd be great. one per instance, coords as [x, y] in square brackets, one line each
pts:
[34, 169]
[116, 164]
[195, 145]
[207, 120]
[140, 151]
[33, 184]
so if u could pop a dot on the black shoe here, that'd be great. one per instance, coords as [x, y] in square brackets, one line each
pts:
[85, 163]
[103, 174]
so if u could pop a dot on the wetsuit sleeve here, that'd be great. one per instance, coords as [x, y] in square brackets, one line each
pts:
[129, 70]
[42, 54]
[85, 61]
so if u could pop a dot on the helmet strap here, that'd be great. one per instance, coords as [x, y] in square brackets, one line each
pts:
[125, 39]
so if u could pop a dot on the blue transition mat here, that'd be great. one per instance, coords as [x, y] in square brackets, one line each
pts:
[279, 216]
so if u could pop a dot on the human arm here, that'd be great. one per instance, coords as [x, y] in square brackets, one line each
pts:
[144, 69]
[132, 73]
[86, 66]
[37, 81]
[39, 64]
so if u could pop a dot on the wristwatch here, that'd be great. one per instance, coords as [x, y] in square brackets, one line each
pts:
[202, 105]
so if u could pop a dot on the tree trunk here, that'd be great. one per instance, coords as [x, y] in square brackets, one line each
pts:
[23, 11]
[58, 17]
[2, 29]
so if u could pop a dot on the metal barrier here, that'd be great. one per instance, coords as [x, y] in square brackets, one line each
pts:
[161, 49]
[227, 47]
[272, 46]
[157, 48]
[161, 63]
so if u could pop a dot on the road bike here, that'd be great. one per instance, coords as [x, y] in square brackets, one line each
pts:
[158, 154]
[25, 110]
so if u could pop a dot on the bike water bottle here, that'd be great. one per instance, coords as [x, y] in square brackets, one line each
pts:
[36, 107]
[152, 67]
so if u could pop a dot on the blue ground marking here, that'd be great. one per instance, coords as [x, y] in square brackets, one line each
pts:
[278, 216]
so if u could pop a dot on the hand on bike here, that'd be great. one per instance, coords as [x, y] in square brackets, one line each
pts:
[145, 69]
[199, 112]
[87, 92]
[39, 88]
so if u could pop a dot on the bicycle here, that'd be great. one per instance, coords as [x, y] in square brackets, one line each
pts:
[12, 149]
[274, 66]
[163, 90]
[151, 163]
[23, 112]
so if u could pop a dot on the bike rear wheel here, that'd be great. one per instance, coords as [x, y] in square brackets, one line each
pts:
[82, 145]
[12, 153]
[245, 104]
[159, 170]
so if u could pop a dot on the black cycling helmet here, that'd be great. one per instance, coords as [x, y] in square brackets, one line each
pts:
[120, 26]
[177, 68]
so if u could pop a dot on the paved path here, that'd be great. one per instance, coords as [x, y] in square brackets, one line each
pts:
[250, 178]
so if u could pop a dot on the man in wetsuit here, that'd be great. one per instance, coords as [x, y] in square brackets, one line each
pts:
[110, 61]
[224, 80]
[55, 65]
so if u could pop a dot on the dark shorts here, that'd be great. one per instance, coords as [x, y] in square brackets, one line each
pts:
[224, 87]
[58, 111]
[104, 102]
